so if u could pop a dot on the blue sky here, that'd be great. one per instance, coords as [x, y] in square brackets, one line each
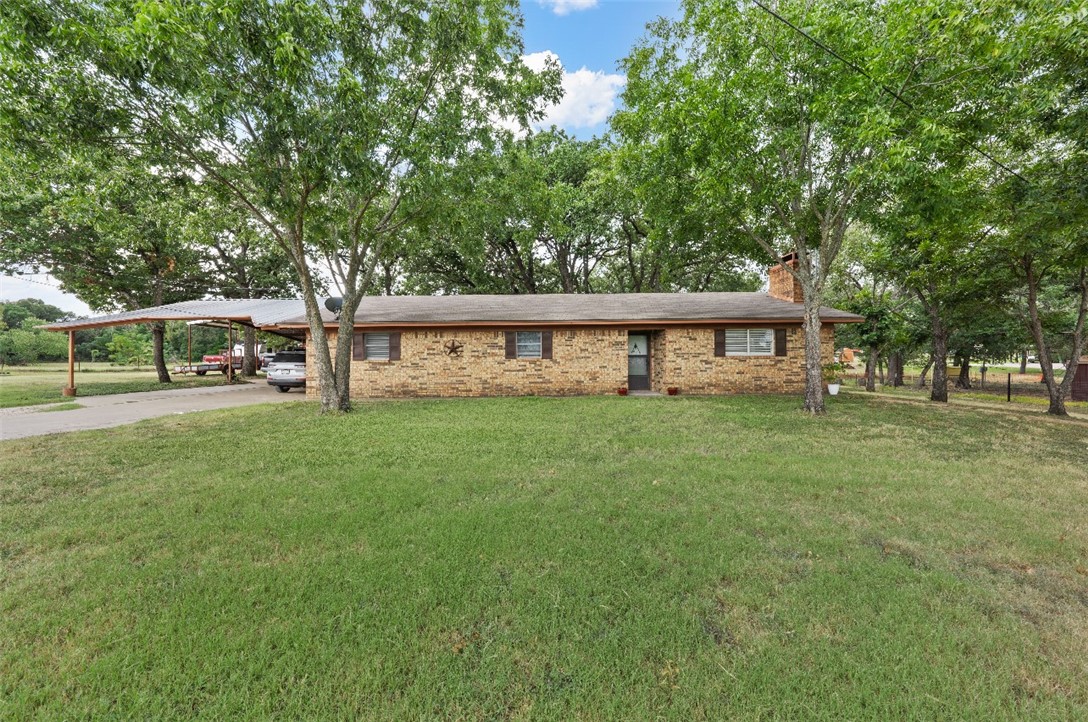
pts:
[589, 37]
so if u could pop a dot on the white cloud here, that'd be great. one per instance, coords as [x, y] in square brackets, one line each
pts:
[589, 96]
[562, 7]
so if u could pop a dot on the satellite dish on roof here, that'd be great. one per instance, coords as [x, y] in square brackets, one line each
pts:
[334, 304]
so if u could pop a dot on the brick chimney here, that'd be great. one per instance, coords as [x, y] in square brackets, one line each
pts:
[782, 284]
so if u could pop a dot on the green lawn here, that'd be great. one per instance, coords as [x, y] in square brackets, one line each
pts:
[592, 558]
[27, 386]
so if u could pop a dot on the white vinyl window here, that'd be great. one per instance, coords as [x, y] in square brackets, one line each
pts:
[749, 342]
[377, 346]
[528, 344]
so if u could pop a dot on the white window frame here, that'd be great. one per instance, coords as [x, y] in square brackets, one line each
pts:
[748, 342]
[375, 356]
[518, 343]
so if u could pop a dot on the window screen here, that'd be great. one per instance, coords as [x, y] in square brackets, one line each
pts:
[528, 344]
[749, 342]
[760, 341]
[377, 346]
[736, 342]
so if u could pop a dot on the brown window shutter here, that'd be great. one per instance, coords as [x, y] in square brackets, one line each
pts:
[719, 342]
[545, 344]
[511, 344]
[358, 348]
[394, 346]
[780, 342]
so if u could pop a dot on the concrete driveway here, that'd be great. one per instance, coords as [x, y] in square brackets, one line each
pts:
[102, 412]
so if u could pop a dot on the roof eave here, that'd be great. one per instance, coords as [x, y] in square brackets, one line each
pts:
[636, 323]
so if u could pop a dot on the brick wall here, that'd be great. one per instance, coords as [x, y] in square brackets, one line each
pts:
[584, 361]
[657, 357]
[687, 361]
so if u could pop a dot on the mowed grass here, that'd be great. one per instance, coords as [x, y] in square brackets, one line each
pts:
[67, 406]
[32, 386]
[1031, 394]
[592, 558]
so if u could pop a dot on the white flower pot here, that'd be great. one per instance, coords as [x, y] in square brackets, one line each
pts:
[833, 389]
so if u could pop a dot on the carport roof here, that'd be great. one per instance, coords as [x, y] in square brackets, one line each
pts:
[254, 312]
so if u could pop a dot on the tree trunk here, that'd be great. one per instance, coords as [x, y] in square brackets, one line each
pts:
[318, 354]
[249, 351]
[964, 380]
[870, 369]
[895, 368]
[344, 336]
[158, 333]
[814, 382]
[880, 369]
[1057, 392]
[1023, 362]
[939, 392]
[921, 382]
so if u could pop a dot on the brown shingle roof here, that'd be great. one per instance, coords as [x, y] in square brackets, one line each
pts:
[579, 308]
[447, 310]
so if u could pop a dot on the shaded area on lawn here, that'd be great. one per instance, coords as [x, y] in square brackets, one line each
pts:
[1026, 389]
[688, 558]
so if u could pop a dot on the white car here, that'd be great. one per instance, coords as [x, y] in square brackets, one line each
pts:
[287, 371]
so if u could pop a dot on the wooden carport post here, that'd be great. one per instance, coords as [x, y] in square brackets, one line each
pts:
[230, 352]
[70, 389]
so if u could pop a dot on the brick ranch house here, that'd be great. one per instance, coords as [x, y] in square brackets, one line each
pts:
[570, 344]
[553, 345]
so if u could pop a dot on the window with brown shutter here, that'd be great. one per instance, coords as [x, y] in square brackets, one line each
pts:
[358, 348]
[528, 344]
[750, 341]
[394, 346]
[744, 342]
[780, 342]
[377, 346]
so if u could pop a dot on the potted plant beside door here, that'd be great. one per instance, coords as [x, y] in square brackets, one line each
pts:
[833, 378]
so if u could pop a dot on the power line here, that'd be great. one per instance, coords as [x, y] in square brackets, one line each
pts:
[173, 284]
[884, 88]
[22, 277]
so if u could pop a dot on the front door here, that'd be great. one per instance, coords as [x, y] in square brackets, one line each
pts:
[638, 361]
